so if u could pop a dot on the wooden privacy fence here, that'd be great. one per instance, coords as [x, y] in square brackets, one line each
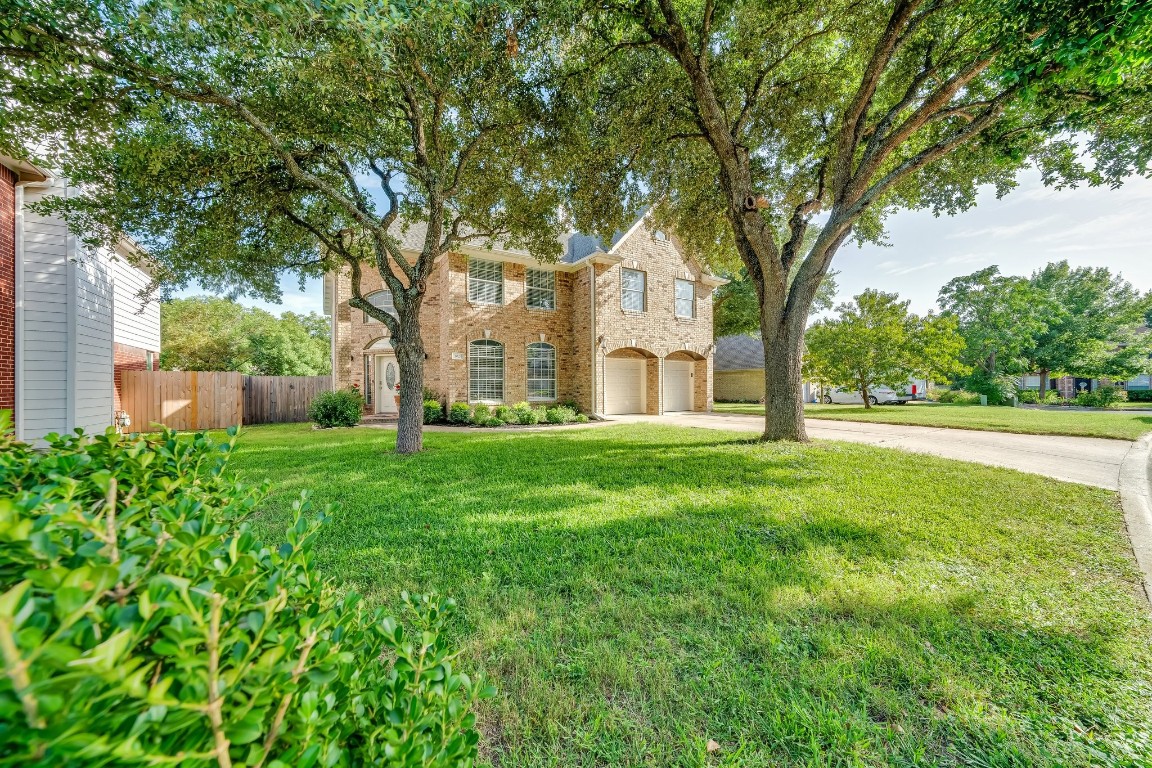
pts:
[280, 399]
[186, 400]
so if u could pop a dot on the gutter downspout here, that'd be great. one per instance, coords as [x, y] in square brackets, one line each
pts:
[18, 270]
[332, 330]
[592, 337]
[73, 388]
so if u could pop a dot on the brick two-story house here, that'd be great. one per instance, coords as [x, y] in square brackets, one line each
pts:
[619, 328]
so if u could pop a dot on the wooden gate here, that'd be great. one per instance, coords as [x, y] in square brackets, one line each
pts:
[182, 400]
[281, 399]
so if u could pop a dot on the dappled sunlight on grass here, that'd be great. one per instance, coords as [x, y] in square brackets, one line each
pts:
[637, 590]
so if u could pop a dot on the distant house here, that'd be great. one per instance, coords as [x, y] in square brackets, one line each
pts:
[71, 319]
[1070, 386]
[739, 368]
[619, 327]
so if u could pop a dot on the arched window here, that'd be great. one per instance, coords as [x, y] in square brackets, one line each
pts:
[380, 300]
[486, 371]
[541, 371]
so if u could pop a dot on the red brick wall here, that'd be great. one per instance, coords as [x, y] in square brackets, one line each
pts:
[7, 289]
[126, 358]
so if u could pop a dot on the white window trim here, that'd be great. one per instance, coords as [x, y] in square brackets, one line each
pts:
[392, 303]
[479, 280]
[643, 291]
[676, 299]
[488, 343]
[528, 373]
[528, 288]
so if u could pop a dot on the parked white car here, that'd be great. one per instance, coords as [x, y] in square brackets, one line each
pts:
[876, 396]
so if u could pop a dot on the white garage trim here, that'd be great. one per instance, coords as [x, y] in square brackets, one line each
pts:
[677, 385]
[625, 385]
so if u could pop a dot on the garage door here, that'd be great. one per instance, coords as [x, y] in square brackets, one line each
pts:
[624, 385]
[677, 385]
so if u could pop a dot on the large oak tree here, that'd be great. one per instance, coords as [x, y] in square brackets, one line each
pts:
[742, 119]
[240, 140]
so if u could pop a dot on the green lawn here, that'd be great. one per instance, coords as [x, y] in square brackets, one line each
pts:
[1119, 425]
[635, 591]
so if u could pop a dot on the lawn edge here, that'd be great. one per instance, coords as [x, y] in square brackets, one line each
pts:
[1136, 498]
[966, 428]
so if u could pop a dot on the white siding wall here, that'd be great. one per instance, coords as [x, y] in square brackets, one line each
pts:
[134, 327]
[65, 318]
[92, 350]
[45, 312]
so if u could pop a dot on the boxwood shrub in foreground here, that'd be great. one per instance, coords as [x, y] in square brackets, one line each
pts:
[142, 623]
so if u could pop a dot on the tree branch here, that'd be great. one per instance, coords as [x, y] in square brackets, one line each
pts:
[854, 116]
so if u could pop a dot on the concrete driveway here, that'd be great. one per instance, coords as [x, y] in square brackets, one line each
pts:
[1086, 460]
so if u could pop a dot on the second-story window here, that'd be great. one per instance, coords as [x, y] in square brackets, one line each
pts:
[632, 290]
[380, 300]
[685, 298]
[485, 282]
[541, 288]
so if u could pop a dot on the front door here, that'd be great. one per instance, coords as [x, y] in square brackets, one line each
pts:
[387, 384]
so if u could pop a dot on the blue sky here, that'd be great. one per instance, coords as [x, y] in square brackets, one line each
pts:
[1022, 232]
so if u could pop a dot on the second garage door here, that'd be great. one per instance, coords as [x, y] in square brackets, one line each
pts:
[677, 385]
[624, 385]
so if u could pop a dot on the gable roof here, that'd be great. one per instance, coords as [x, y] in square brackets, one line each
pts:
[577, 247]
[24, 170]
[739, 352]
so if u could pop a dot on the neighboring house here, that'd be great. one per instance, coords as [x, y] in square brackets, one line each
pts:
[70, 318]
[622, 328]
[739, 368]
[1070, 386]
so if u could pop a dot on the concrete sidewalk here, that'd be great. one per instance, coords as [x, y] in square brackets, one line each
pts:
[1087, 460]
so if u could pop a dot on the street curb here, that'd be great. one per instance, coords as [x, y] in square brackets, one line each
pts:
[1136, 496]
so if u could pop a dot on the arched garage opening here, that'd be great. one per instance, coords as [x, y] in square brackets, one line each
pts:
[628, 375]
[682, 371]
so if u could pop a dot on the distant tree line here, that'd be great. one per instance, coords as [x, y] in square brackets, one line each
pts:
[1062, 320]
[212, 334]
[993, 328]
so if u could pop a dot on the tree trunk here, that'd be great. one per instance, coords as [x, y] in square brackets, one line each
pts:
[864, 394]
[409, 347]
[783, 382]
[1043, 383]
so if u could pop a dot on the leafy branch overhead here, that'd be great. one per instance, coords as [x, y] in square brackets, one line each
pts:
[744, 118]
[254, 138]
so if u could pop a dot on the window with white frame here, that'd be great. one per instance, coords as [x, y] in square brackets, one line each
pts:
[1140, 382]
[486, 371]
[380, 300]
[541, 371]
[485, 281]
[541, 288]
[632, 285]
[685, 298]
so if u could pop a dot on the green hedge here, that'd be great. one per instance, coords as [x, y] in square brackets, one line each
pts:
[342, 408]
[433, 411]
[143, 623]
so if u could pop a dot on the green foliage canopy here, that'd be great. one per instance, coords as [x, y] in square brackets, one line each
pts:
[1092, 324]
[236, 141]
[744, 119]
[875, 340]
[998, 316]
[214, 334]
